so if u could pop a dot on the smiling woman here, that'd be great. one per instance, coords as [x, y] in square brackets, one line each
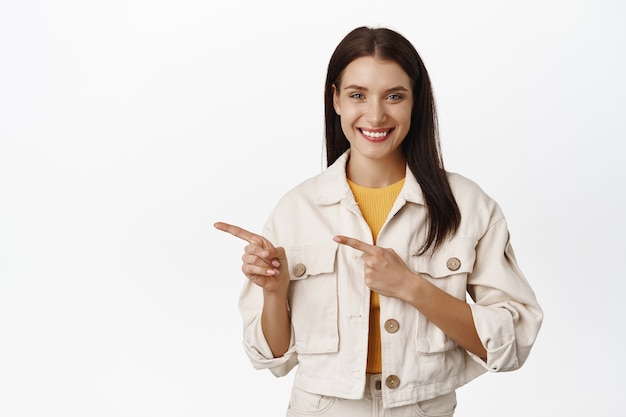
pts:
[374, 101]
[361, 276]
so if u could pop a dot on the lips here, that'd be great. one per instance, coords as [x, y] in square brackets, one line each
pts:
[375, 135]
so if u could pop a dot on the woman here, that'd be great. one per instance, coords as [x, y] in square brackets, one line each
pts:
[361, 275]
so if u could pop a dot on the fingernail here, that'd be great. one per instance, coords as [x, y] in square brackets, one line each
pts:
[265, 254]
[276, 263]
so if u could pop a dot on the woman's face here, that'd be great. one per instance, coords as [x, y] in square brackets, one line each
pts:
[374, 101]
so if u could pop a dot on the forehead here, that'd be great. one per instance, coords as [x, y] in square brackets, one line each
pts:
[369, 71]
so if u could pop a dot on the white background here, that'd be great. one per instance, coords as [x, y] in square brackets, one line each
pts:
[127, 128]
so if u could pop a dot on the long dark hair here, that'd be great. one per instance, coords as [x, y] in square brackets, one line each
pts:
[421, 145]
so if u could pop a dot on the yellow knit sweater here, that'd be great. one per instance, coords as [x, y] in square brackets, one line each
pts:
[375, 204]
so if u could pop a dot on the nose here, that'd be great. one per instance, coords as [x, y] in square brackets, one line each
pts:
[375, 112]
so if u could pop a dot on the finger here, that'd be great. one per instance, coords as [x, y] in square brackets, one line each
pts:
[259, 271]
[257, 250]
[238, 232]
[355, 243]
[250, 258]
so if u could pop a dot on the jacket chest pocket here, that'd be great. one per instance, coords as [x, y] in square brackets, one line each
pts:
[313, 297]
[447, 268]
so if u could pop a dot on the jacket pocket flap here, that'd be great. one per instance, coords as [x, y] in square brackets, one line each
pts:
[453, 257]
[310, 260]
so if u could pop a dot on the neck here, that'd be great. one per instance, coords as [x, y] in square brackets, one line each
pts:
[375, 173]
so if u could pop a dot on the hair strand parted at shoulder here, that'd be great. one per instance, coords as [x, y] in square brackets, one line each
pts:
[421, 146]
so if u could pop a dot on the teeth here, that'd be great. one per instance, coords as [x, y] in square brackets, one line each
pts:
[375, 134]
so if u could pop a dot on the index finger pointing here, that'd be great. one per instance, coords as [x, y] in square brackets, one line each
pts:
[236, 231]
[354, 243]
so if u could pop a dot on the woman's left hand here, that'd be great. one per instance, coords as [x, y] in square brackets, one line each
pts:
[385, 272]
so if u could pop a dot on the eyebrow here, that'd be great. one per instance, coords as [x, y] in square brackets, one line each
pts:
[358, 87]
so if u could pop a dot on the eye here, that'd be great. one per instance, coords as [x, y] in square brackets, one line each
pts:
[394, 97]
[358, 96]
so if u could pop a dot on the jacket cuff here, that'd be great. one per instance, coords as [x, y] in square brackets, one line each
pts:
[260, 354]
[497, 333]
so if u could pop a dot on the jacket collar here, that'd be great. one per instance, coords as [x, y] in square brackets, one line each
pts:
[334, 185]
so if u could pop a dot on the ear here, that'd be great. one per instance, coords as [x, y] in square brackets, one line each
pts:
[336, 100]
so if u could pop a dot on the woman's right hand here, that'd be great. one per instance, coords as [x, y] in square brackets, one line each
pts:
[263, 264]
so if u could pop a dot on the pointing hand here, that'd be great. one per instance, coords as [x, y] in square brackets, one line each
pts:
[263, 264]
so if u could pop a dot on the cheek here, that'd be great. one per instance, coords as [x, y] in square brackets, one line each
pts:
[404, 118]
[347, 121]
[347, 129]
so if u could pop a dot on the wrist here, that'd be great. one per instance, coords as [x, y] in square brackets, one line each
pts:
[278, 294]
[414, 291]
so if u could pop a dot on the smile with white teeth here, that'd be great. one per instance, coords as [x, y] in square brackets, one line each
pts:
[375, 135]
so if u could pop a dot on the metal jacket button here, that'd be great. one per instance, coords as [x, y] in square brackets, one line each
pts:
[453, 264]
[299, 270]
[392, 382]
[392, 326]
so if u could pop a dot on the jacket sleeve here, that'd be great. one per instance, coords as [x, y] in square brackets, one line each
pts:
[255, 344]
[505, 310]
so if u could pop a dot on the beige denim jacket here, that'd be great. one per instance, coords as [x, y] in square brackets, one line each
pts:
[329, 301]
